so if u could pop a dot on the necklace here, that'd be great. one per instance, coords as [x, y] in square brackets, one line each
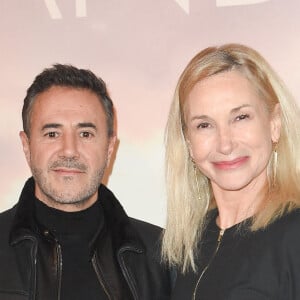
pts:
[221, 233]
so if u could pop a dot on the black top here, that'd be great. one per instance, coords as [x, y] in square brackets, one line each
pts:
[247, 265]
[74, 232]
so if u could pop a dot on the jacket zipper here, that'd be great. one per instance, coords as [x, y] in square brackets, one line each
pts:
[99, 276]
[33, 295]
[221, 233]
[125, 271]
[59, 262]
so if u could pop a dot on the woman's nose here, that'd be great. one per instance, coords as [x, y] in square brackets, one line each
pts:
[225, 141]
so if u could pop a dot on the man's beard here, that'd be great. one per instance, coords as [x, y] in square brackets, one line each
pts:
[61, 196]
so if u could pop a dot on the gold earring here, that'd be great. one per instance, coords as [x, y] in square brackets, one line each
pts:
[196, 178]
[275, 162]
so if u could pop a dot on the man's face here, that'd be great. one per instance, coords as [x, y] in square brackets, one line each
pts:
[68, 148]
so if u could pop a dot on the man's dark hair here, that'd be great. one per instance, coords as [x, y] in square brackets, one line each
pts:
[68, 76]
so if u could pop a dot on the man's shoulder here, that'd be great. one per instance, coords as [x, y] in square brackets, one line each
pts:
[145, 226]
[150, 232]
[6, 217]
[116, 214]
[6, 220]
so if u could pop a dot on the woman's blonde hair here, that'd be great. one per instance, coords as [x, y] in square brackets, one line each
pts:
[189, 193]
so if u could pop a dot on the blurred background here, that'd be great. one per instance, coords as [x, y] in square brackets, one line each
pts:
[139, 48]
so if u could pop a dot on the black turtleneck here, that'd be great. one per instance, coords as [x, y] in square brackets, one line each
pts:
[75, 231]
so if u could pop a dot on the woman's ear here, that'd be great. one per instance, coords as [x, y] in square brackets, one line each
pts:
[276, 123]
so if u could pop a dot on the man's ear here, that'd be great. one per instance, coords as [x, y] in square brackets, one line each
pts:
[25, 144]
[276, 123]
[111, 146]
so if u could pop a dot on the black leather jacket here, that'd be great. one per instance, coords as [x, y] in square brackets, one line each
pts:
[125, 255]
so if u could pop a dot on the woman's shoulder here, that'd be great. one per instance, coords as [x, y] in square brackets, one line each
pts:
[287, 227]
[289, 219]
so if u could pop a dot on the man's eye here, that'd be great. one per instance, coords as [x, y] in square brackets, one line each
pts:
[51, 134]
[85, 134]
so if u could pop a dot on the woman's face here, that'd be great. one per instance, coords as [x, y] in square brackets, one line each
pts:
[230, 132]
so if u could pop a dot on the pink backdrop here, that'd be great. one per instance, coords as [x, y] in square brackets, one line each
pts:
[139, 48]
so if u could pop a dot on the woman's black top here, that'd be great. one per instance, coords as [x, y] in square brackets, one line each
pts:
[245, 265]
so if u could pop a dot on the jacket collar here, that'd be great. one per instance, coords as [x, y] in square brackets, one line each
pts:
[116, 221]
[24, 221]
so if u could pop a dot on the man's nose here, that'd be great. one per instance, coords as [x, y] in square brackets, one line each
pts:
[69, 146]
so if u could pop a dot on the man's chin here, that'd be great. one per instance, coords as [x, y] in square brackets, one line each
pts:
[67, 203]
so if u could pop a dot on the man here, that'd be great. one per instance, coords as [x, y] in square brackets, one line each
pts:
[68, 237]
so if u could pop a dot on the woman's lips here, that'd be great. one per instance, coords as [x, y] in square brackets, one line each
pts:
[231, 164]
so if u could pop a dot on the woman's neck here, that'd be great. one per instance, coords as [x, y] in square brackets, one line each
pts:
[237, 206]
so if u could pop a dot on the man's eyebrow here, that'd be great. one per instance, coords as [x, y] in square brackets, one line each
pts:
[79, 125]
[51, 125]
[86, 124]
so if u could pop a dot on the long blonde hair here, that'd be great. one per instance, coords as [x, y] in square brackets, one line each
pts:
[188, 191]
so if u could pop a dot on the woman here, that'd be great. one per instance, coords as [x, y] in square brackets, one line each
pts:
[232, 167]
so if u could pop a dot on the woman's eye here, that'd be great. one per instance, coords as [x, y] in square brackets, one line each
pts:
[242, 117]
[203, 125]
